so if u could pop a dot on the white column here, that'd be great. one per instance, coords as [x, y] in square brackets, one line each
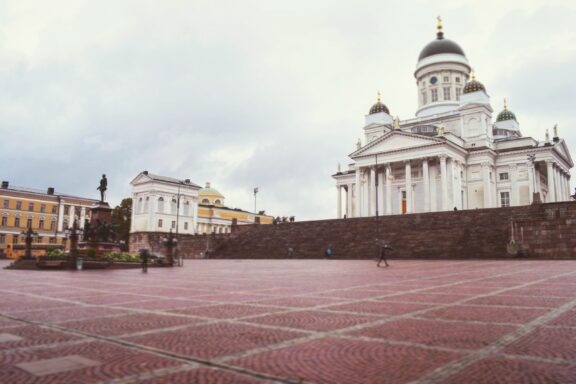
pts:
[357, 211]
[348, 200]
[372, 191]
[381, 197]
[408, 177]
[457, 187]
[444, 182]
[487, 185]
[514, 196]
[557, 177]
[365, 193]
[339, 208]
[530, 183]
[61, 217]
[388, 189]
[426, 177]
[551, 183]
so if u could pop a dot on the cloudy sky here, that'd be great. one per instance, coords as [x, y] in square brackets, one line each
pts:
[250, 93]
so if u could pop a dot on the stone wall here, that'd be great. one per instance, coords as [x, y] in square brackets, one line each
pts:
[189, 246]
[541, 231]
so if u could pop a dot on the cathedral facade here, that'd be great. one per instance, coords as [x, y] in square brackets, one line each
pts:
[455, 154]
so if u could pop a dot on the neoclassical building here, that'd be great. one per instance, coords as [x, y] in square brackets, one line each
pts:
[161, 204]
[454, 154]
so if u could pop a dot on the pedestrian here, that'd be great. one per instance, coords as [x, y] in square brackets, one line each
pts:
[383, 248]
[328, 252]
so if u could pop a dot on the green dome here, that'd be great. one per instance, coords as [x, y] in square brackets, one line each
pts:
[506, 115]
[473, 85]
[379, 106]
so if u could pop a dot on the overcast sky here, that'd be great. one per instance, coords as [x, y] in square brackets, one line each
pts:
[250, 93]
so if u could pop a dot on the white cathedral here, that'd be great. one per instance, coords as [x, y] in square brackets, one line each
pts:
[453, 154]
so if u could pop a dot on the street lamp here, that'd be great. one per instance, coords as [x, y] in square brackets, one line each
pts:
[73, 234]
[30, 235]
[255, 192]
[170, 242]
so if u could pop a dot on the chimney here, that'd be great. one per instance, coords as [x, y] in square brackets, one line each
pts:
[4, 185]
[50, 190]
[145, 172]
[187, 181]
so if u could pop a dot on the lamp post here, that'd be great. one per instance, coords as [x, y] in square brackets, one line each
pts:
[73, 234]
[255, 192]
[30, 235]
[170, 242]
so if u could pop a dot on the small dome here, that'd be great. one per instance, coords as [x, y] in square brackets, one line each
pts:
[440, 45]
[379, 107]
[473, 85]
[208, 191]
[506, 114]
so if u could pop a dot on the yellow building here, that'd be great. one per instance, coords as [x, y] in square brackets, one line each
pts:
[47, 212]
[215, 217]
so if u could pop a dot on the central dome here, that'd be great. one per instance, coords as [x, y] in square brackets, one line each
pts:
[440, 45]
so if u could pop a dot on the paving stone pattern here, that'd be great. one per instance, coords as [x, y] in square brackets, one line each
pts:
[293, 321]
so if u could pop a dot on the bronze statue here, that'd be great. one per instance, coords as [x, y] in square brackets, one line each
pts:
[103, 187]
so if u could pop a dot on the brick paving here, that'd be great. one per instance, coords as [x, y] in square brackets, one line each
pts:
[287, 321]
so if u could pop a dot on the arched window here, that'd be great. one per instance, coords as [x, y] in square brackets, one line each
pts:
[186, 208]
[173, 206]
[161, 204]
[218, 201]
[139, 206]
[146, 204]
[205, 201]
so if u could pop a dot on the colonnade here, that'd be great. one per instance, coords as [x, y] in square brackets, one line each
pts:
[377, 182]
[558, 181]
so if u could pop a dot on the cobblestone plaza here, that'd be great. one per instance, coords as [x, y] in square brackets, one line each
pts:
[319, 321]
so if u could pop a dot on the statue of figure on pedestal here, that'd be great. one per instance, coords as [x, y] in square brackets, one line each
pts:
[103, 187]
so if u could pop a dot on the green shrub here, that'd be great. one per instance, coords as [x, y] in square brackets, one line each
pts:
[123, 257]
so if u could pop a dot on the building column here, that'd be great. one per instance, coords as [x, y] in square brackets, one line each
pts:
[457, 184]
[487, 185]
[551, 184]
[381, 197]
[339, 208]
[408, 179]
[365, 193]
[61, 217]
[514, 196]
[426, 177]
[372, 191]
[388, 189]
[357, 211]
[558, 186]
[444, 182]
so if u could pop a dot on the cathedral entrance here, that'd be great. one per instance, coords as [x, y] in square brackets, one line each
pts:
[403, 202]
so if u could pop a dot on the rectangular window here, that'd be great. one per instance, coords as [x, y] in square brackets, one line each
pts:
[43, 208]
[4, 221]
[504, 199]
[503, 176]
[19, 205]
[173, 224]
[52, 240]
[54, 208]
[434, 95]
[31, 207]
[64, 224]
[66, 209]
[6, 204]
[447, 93]
[17, 222]
[2, 239]
[41, 224]
[186, 225]
[446, 79]
[52, 225]
[458, 92]
[14, 239]
[159, 223]
[29, 223]
[457, 79]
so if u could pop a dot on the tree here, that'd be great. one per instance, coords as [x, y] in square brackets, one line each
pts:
[121, 218]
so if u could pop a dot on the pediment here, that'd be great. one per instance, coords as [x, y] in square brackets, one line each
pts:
[562, 149]
[395, 141]
[141, 178]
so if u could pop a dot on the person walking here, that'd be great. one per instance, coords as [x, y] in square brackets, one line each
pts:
[383, 248]
[328, 252]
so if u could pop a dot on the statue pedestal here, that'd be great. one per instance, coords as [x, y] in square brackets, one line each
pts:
[100, 212]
